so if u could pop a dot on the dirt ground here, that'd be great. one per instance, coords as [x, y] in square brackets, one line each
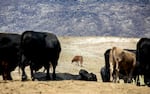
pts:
[92, 49]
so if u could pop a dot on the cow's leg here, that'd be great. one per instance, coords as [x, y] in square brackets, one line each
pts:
[32, 74]
[138, 80]
[4, 70]
[54, 64]
[147, 79]
[4, 75]
[126, 78]
[81, 62]
[117, 73]
[130, 76]
[77, 63]
[54, 74]
[111, 63]
[22, 65]
[24, 76]
[111, 72]
[81, 65]
[9, 76]
[47, 67]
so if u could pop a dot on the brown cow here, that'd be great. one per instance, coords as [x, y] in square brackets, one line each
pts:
[121, 60]
[78, 60]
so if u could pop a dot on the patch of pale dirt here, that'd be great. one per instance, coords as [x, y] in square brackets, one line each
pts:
[92, 49]
[69, 87]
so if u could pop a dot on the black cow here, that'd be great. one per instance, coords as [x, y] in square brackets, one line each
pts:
[143, 58]
[39, 49]
[105, 71]
[9, 54]
[84, 75]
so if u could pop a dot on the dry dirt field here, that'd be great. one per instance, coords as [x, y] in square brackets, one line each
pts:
[92, 49]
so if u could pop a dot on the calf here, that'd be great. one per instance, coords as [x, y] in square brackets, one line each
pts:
[78, 60]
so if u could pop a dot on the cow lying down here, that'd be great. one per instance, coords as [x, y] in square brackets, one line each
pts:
[83, 75]
[87, 76]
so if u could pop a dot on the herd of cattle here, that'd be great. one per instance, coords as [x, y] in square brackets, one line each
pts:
[37, 49]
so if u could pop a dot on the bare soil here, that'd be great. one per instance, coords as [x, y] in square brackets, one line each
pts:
[92, 49]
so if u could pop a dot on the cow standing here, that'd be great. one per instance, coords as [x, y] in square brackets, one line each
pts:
[143, 58]
[39, 49]
[105, 71]
[9, 53]
[78, 60]
[121, 60]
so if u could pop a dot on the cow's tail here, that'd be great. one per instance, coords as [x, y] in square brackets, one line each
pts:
[19, 61]
[19, 67]
[113, 54]
[19, 70]
[116, 65]
[112, 63]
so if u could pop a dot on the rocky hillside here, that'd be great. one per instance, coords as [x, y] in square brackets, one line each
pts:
[124, 18]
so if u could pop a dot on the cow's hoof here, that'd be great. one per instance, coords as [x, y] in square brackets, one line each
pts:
[33, 79]
[138, 83]
[118, 81]
[125, 80]
[129, 81]
[24, 78]
[148, 84]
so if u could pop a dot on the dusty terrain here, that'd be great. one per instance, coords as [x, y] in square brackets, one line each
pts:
[92, 50]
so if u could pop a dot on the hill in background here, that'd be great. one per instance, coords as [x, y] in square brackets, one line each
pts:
[124, 18]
